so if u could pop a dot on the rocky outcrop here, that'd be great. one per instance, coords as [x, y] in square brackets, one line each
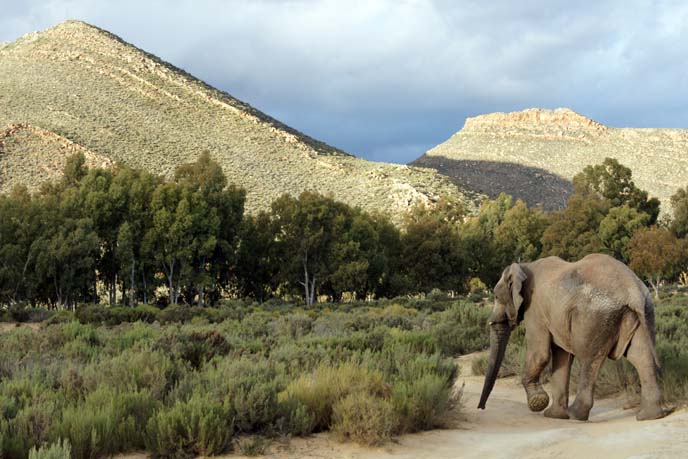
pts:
[537, 122]
[533, 154]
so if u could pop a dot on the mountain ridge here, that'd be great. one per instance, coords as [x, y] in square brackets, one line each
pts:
[533, 154]
[93, 88]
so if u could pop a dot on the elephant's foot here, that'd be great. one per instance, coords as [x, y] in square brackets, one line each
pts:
[556, 412]
[648, 413]
[579, 411]
[538, 401]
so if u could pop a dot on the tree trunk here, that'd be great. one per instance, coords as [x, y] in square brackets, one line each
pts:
[312, 291]
[132, 287]
[170, 276]
[145, 287]
[305, 284]
[655, 287]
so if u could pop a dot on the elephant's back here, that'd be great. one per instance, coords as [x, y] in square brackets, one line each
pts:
[606, 276]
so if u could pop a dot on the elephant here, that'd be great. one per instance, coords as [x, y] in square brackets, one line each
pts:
[592, 309]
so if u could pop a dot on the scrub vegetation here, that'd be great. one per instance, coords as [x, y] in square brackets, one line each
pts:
[202, 381]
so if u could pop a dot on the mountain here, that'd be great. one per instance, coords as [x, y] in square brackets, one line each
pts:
[534, 154]
[29, 155]
[87, 89]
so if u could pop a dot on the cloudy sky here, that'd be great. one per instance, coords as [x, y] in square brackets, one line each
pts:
[388, 79]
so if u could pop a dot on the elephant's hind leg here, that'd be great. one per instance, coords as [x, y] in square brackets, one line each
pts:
[561, 370]
[536, 361]
[589, 370]
[640, 355]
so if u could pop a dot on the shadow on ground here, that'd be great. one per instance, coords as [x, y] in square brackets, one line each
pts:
[533, 185]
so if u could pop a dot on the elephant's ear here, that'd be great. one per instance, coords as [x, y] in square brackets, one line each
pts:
[516, 277]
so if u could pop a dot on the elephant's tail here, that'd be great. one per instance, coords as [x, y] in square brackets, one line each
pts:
[646, 314]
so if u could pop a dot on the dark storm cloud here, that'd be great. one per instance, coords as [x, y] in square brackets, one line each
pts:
[389, 79]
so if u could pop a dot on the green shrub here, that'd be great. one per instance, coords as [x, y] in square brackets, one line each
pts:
[294, 417]
[437, 295]
[107, 422]
[134, 370]
[92, 314]
[252, 445]
[29, 425]
[196, 347]
[461, 329]
[420, 404]
[176, 313]
[250, 387]
[364, 418]
[58, 450]
[199, 426]
[59, 317]
[322, 389]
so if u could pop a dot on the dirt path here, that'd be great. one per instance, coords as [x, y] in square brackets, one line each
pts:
[506, 429]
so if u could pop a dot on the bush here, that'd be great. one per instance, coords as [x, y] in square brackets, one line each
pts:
[58, 450]
[475, 285]
[195, 348]
[437, 295]
[420, 404]
[322, 389]
[107, 422]
[364, 418]
[22, 313]
[92, 314]
[134, 369]
[176, 313]
[253, 445]
[250, 387]
[200, 426]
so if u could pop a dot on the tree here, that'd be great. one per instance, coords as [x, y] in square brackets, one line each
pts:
[617, 228]
[257, 266]
[613, 182]
[21, 223]
[519, 236]
[432, 254]
[213, 270]
[655, 253]
[312, 241]
[679, 205]
[602, 193]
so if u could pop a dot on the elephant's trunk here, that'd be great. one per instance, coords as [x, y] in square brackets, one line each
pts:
[499, 338]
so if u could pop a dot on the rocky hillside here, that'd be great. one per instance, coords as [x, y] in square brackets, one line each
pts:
[29, 155]
[97, 93]
[533, 154]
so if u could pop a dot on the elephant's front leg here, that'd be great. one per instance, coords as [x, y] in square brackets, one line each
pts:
[538, 344]
[561, 371]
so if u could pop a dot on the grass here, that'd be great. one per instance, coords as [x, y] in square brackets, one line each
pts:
[123, 104]
[228, 378]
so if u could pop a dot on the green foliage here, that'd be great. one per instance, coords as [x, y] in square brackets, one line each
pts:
[617, 228]
[602, 214]
[420, 404]
[679, 205]
[107, 422]
[200, 426]
[655, 253]
[272, 369]
[58, 450]
[612, 183]
[363, 418]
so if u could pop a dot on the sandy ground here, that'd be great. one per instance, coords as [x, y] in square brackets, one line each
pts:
[507, 429]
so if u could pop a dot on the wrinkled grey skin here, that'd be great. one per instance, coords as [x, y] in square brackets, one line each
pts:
[592, 309]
